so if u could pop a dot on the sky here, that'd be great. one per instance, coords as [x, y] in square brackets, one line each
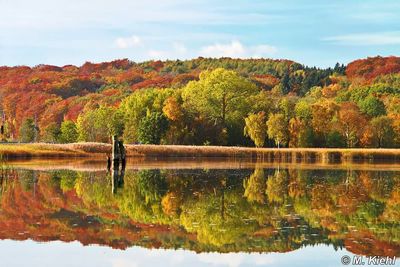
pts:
[314, 33]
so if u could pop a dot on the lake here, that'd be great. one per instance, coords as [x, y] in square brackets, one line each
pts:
[190, 212]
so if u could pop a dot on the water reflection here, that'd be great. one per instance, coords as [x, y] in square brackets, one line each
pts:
[206, 210]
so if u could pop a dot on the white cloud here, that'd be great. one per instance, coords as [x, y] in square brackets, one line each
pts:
[363, 39]
[177, 50]
[236, 49]
[233, 49]
[127, 42]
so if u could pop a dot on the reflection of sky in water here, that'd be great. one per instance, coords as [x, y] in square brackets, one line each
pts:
[32, 254]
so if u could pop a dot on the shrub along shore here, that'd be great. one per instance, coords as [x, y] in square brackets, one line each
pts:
[100, 150]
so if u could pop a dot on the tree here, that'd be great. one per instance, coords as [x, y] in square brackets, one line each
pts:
[303, 110]
[285, 82]
[220, 96]
[300, 135]
[323, 113]
[372, 106]
[287, 107]
[69, 133]
[382, 130]
[172, 109]
[351, 123]
[52, 133]
[335, 139]
[99, 124]
[136, 106]
[152, 128]
[27, 131]
[255, 128]
[396, 127]
[178, 132]
[278, 129]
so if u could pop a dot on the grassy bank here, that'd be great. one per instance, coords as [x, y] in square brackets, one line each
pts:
[99, 150]
[323, 155]
[42, 150]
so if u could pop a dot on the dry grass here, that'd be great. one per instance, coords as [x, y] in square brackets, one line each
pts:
[53, 150]
[166, 151]
[238, 152]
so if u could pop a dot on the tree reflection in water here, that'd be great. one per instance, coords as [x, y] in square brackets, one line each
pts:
[251, 210]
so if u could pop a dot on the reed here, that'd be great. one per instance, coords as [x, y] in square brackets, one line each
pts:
[99, 150]
[43, 150]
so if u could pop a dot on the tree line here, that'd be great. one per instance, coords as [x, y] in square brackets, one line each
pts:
[223, 107]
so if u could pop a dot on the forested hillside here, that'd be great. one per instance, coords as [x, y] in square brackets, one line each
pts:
[205, 101]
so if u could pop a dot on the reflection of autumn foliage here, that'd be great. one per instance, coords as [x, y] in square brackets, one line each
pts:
[255, 187]
[321, 200]
[277, 186]
[365, 243]
[171, 203]
[207, 210]
[392, 211]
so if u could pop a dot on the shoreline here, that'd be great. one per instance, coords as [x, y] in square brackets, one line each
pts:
[294, 155]
[136, 163]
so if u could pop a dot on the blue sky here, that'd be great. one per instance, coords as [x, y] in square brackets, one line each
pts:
[317, 33]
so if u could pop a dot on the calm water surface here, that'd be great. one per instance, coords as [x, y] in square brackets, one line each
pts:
[197, 213]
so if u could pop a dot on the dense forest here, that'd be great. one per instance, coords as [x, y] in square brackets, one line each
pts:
[205, 101]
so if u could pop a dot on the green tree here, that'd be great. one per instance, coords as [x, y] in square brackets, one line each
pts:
[255, 128]
[278, 129]
[382, 131]
[152, 128]
[135, 107]
[335, 139]
[52, 133]
[372, 106]
[27, 131]
[303, 110]
[220, 96]
[287, 107]
[69, 132]
[98, 125]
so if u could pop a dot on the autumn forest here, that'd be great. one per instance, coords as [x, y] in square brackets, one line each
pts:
[253, 102]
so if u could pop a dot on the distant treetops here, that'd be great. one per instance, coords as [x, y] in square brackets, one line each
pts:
[206, 101]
